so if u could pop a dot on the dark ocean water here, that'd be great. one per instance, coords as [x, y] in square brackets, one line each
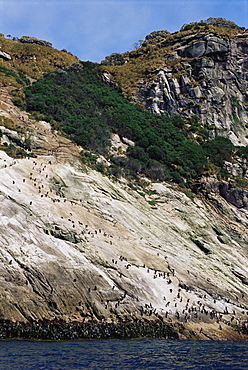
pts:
[123, 354]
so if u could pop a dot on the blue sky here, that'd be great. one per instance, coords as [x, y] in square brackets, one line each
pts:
[93, 29]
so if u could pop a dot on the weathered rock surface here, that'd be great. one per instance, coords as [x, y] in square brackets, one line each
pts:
[155, 36]
[4, 55]
[206, 75]
[230, 192]
[78, 247]
[34, 40]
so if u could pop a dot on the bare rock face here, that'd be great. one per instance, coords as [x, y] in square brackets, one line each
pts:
[76, 246]
[230, 192]
[205, 75]
[234, 195]
[237, 169]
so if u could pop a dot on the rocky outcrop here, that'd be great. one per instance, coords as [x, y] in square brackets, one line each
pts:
[205, 75]
[4, 55]
[230, 192]
[34, 40]
[239, 169]
[234, 195]
[156, 36]
[211, 46]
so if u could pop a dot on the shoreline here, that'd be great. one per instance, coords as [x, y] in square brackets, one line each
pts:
[78, 331]
[62, 331]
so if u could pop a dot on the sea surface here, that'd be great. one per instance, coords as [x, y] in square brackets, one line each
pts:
[123, 354]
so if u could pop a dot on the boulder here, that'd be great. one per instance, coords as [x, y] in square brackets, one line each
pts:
[196, 50]
[5, 56]
[236, 196]
[156, 36]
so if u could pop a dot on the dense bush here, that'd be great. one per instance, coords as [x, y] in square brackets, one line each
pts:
[88, 111]
[243, 152]
[219, 150]
[74, 98]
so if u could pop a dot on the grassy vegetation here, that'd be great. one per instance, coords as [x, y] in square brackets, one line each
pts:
[31, 60]
[14, 151]
[88, 111]
[9, 123]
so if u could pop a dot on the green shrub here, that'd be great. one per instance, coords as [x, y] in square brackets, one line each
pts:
[87, 110]
[243, 152]
[219, 150]
[16, 78]
[189, 194]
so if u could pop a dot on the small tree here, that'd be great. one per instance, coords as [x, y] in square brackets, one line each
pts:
[138, 44]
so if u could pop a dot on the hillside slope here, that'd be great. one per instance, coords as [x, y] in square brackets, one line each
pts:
[78, 247]
[85, 253]
[198, 71]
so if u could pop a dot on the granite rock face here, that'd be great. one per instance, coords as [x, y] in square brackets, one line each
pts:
[231, 193]
[77, 247]
[204, 75]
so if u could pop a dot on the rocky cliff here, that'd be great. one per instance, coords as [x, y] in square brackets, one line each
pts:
[78, 247]
[202, 71]
[211, 81]
[88, 255]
